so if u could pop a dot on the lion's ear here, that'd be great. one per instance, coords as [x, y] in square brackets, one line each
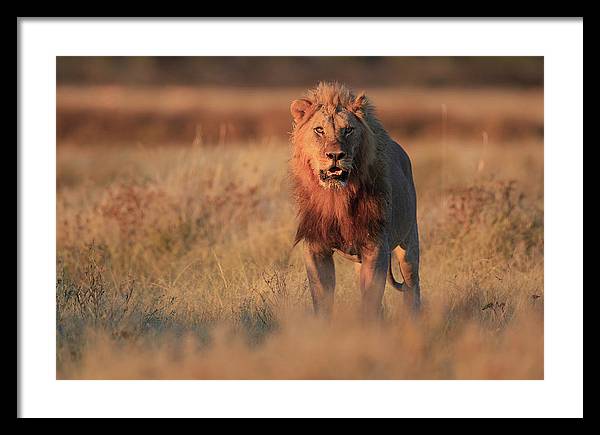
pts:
[360, 102]
[299, 109]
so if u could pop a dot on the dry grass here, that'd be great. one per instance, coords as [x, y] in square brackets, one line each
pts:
[176, 262]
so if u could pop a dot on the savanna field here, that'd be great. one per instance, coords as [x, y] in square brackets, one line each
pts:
[175, 229]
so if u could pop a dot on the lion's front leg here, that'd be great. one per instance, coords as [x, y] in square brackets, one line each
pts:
[321, 278]
[373, 273]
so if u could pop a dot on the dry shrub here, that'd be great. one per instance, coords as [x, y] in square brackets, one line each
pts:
[483, 204]
[270, 301]
[131, 206]
[88, 299]
[495, 216]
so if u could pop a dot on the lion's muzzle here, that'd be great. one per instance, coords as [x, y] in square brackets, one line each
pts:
[334, 174]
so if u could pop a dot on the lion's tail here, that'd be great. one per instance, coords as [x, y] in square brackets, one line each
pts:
[390, 276]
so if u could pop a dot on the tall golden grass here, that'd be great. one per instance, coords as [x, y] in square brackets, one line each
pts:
[175, 262]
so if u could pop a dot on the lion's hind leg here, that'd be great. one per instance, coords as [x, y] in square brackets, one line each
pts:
[408, 260]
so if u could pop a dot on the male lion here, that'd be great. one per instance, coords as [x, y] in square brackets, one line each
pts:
[355, 195]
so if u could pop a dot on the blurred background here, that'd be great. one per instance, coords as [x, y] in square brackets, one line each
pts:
[303, 71]
[152, 100]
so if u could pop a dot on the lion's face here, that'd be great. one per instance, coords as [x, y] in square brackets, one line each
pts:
[330, 137]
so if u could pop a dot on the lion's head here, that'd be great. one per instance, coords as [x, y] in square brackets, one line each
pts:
[337, 176]
[331, 133]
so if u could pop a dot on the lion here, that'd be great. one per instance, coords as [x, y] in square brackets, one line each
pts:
[355, 196]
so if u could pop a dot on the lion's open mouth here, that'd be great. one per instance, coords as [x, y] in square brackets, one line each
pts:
[335, 174]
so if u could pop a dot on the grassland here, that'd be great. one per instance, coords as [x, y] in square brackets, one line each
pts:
[174, 258]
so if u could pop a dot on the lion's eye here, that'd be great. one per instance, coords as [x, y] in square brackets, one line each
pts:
[348, 131]
[319, 130]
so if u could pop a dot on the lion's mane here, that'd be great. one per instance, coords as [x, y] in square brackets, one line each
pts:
[341, 217]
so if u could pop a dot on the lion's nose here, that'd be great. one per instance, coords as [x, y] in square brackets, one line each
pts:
[336, 155]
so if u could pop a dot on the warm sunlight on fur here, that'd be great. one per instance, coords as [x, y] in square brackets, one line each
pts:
[355, 195]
